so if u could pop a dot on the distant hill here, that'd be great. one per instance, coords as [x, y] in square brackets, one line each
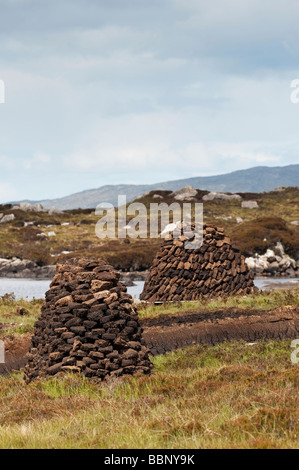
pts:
[256, 180]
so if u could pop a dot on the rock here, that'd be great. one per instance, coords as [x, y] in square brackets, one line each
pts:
[184, 194]
[279, 189]
[169, 228]
[128, 278]
[7, 218]
[278, 249]
[51, 234]
[218, 195]
[28, 207]
[295, 222]
[273, 267]
[274, 262]
[224, 217]
[157, 196]
[54, 210]
[239, 220]
[22, 268]
[249, 205]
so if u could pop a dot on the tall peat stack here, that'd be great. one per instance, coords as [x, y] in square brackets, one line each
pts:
[215, 268]
[88, 324]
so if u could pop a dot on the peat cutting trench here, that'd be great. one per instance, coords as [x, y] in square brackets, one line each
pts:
[167, 333]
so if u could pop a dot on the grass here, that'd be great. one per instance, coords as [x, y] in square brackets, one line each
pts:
[18, 317]
[265, 300]
[233, 395]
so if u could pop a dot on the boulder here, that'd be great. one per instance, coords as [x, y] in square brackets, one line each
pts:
[22, 268]
[188, 193]
[274, 262]
[7, 218]
[249, 205]
[29, 207]
[218, 195]
[53, 210]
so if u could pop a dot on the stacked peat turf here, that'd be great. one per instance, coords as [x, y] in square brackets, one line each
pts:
[88, 324]
[179, 273]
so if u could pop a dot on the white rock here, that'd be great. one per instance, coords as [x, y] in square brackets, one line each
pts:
[280, 188]
[54, 210]
[272, 261]
[51, 234]
[169, 228]
[218, 195]
[7, 218]
[184, 194]
[279, 250]
[28, 207]
[239, 220]
[249, 205]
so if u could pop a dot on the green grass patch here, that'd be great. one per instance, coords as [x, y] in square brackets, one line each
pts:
[264, 300]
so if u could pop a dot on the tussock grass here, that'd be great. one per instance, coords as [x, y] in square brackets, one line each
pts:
[233, 395]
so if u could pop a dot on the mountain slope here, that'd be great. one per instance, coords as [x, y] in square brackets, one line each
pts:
[257, 179]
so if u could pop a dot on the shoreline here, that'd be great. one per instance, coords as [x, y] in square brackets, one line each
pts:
[127, 276]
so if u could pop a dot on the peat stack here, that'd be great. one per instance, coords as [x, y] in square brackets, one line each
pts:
[215, 268]
[88, 324]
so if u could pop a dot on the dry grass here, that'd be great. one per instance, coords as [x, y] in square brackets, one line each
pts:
[18, 317]
[233, 395]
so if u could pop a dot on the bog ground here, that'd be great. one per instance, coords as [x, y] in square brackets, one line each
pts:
[236, 394]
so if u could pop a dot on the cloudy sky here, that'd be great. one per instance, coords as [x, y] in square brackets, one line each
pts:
[141, 91]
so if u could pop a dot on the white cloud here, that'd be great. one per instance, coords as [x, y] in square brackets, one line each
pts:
[42, 157]
[7, 192]
[146, 92]
[6, 163]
